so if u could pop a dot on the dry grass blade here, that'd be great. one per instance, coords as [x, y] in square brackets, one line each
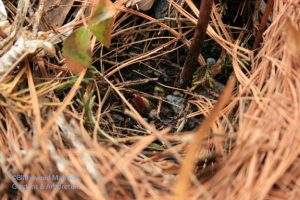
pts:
[292, 38]
[34, 98]
[185, 173]
[66, 102]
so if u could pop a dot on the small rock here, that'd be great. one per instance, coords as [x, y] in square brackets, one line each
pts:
[177, 101]
[211, 61]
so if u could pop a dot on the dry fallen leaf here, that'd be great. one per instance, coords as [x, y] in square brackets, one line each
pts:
[102, 20]
[56, 13]
[76, 50]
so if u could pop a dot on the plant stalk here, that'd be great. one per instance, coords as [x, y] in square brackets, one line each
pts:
[191, 61]
[262, 25]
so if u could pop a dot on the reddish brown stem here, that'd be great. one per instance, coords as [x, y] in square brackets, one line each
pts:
[263, 24]
[196, 45]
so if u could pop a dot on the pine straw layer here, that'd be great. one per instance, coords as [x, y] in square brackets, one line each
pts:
[261, 121]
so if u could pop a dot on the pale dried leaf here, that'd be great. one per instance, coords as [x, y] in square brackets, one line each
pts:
[56, 13]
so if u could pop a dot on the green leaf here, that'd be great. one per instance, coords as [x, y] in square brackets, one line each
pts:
[102, 20]
[76, 50]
